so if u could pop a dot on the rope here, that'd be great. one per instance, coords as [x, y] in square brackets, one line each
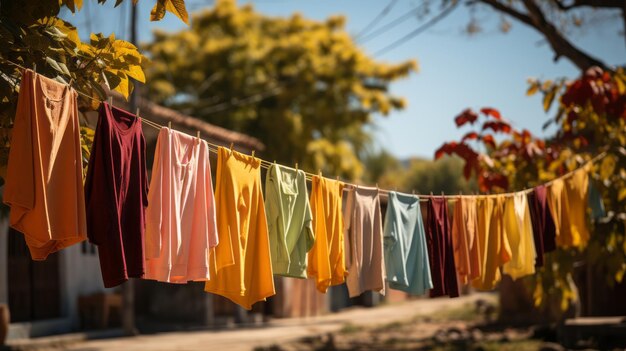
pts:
[309, 176]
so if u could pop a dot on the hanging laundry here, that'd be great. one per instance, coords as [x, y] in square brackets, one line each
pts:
[577, 188]
[544, 231]
[326, 258]
[466, 250]
[440, 249]
[289, 220]
[116, 193]
[364, 236]
[560, 208]
[406, 252]
[596, 204]
[519, 233]
[180, 217]
[44, 182]
[243, 263]
[495, 250]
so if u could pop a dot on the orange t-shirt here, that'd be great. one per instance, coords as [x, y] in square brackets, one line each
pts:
[326, 258]
[242, 257]
[44, 182]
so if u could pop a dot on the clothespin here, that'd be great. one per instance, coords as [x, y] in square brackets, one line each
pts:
[35, 67]
[198, 134]
[231, 147]
[110, 100]
[253, 154]
[296, 166]
[169, 124]
[137, 113]
[376, 185]
[413, 191]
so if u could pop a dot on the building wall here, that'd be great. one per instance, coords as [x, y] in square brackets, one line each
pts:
[80, 275]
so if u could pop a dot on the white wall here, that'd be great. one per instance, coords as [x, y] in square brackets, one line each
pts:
[80, 275]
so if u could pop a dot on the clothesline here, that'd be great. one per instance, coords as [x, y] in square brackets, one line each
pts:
[309, 176]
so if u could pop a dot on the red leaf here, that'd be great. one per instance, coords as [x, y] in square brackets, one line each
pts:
[488, 111]
[489, 140]
[466, 116]
[497, 126]
[470, 135]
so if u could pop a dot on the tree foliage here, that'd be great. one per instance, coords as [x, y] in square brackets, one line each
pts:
[302, 86]
[33, 36]
[591, 118]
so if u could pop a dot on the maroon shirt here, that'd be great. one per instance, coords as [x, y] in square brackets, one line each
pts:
[116, 192]
[544, 231]
[440, 249]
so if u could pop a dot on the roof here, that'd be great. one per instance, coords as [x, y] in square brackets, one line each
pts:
[188, 124]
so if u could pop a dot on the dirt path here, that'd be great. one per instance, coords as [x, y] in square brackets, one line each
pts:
[284, 331]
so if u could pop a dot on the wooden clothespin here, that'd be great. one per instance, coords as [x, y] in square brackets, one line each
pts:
[231, 147]
[35, 67]
[253, 154]
[198, 134]
[296, 166]
[376, 185]
[110, 100]
[413, 191]
[137, 113]
[169, 124]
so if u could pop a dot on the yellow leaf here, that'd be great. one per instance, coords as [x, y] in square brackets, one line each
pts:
[621, 196]
[549, 98]
[136, 73]
[158, 11]
[177, 7]
[607, 167]
[532, 89]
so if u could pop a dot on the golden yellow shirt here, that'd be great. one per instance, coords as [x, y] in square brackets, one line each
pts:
[326, 258]
[577, 188]
[242, 256]
[495, 249]
[519, 233]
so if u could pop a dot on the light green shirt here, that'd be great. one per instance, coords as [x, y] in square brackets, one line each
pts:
[289, 220]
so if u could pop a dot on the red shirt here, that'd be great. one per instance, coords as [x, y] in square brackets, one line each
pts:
[116, 195]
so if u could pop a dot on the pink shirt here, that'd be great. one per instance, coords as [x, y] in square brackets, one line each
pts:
[180, 218]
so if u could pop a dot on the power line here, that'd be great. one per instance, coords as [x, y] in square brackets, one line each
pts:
[393, 23]
[376, 19]
[417, 31]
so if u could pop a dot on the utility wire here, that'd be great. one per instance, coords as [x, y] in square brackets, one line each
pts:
[393, 23]
[376, 19]
[418, 30]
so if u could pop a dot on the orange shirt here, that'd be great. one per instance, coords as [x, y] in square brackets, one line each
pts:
[326, 258]
[242, 257]
[44, 182]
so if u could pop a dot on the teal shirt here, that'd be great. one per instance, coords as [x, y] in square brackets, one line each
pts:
[406, 254]
[289, 220]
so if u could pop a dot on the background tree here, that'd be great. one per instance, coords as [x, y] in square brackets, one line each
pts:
[591, 119]
[301, 86]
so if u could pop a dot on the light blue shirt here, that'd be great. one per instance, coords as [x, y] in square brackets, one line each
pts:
[406, 254]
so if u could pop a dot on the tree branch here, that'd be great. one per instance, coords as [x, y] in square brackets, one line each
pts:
[591, 3]
[561, 46]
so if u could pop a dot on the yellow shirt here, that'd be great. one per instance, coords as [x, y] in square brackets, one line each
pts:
[495, 247]
[519, 233]
[242, 256]
[326, 258]
[577, 188]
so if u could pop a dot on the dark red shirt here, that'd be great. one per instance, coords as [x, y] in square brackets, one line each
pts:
[116, 193]
[440, 249]
[544, 231]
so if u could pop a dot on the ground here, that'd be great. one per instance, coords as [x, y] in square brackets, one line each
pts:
[440, 324]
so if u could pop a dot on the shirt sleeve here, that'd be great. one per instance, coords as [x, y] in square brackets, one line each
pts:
[153, 240]
[19, 189]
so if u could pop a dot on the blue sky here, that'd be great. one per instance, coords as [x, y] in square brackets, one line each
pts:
[456, 70]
